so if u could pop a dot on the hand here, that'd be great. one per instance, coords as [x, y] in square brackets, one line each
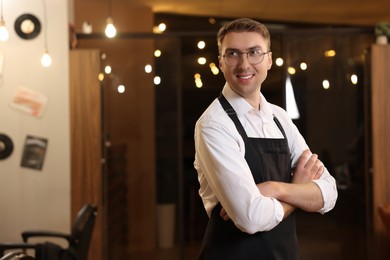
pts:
[309, 168]
[224, 215]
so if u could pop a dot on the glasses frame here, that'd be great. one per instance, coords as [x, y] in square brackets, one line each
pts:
[241, 54]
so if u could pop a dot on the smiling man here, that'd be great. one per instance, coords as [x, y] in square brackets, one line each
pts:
[254, 167]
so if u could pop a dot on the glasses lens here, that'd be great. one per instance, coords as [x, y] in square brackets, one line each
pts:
[254, 57]
[232, 59]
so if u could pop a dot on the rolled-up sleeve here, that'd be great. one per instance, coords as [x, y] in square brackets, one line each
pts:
[327, 185]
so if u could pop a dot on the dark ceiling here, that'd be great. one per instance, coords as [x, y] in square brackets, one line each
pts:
[334, 12]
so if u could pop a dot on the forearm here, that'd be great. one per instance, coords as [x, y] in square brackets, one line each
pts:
[306, 196]
[287, 208]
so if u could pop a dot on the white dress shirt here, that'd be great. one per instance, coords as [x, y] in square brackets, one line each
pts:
[223, 172]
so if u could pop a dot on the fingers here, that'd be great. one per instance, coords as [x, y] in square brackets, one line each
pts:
[319, 172]
[309, 167]
[310, 161]
[315, 166]
[224, 215]
[303, 158]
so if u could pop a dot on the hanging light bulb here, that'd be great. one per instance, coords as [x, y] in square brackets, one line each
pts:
[110, 28]
[46, 59]
[3, 30]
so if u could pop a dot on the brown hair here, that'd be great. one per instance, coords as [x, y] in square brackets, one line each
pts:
[243, 25]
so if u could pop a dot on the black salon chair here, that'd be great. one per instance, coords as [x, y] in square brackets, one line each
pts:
[78, 240]
[18, 255]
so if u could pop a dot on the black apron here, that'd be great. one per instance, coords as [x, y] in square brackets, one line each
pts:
[269, 160]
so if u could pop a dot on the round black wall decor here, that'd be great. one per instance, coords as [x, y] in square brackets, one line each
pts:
[6, 146]
[27, 26]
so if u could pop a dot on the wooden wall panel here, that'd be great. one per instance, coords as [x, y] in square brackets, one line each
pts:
[130, 116]
[86, 151]
[381, 143]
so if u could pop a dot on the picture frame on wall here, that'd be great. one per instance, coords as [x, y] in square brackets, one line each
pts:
[34, 152]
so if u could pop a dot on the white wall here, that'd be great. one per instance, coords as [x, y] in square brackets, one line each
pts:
[32, 198]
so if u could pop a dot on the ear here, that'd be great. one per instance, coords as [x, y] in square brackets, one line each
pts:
[220, 61]
[269, 60]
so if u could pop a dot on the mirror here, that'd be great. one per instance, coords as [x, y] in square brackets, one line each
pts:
[6, 146]
[27, 26]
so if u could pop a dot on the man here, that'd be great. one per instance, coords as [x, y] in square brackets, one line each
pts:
[254, 167]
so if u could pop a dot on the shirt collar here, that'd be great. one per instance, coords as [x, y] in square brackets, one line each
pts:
[241, 106]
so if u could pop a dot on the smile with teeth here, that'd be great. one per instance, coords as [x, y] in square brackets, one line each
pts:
[245, 76]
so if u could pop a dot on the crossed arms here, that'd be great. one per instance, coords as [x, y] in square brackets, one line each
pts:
[301, 192]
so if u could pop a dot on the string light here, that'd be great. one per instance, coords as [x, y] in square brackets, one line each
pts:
[279, 62]
[157, 80]
[354, 79]
[107, 69]
[198, 80]
[325, 84]
[121, 89]
[291, 70]
[101, 76]
[330, 53]
[3, 30]
[202, 60]
[157, 53]
[162, 27]
[201, 45]
[159, 28]
[214, 69]
[148, 68]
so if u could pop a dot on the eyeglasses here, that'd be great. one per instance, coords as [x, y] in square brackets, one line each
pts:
[255, 56]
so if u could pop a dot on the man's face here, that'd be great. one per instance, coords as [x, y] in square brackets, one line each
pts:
[244, 78]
